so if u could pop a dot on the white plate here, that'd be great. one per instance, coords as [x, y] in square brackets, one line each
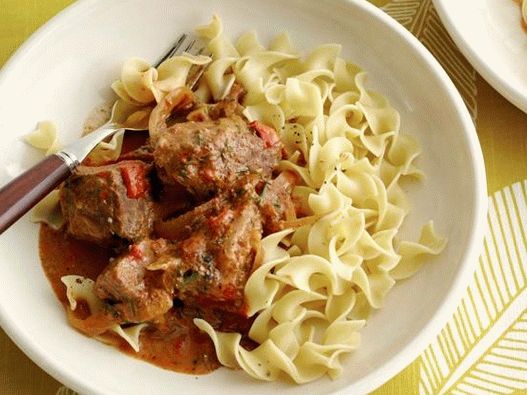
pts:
[490, 35]
[65, 69]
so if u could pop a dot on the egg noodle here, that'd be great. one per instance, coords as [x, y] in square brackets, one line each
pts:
[317, 281]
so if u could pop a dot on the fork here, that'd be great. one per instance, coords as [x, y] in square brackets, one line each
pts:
[23, 192]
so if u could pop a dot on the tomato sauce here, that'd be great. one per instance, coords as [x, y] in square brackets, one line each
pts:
[61, 255]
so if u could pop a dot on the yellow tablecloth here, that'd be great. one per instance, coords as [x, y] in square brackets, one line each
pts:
[484, 348]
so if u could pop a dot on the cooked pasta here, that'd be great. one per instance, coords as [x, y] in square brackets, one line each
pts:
[108, 151]
[44, 137]
[81, 288]
[142, 84]
[48, 211]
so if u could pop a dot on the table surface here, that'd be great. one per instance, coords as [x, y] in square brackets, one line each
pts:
[501, 127]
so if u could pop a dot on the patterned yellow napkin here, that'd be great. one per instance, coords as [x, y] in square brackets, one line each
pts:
[483, 349]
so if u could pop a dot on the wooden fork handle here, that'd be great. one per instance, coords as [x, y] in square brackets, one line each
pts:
[21, 194]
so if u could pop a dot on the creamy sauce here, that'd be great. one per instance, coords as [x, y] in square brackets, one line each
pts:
[173, 343]
[97, 117]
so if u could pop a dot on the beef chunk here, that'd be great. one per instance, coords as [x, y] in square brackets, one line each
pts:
[276, 205]
[211, 156]
[217, 253]
[106, 203]
[207, 263]
[182, 226]
[134, 286]
[171, 200]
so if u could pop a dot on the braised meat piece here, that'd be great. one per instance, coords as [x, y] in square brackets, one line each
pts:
[276, 205]
[207, 262]
[133, 283]
[107, 203]
[182, 226]
[217, 253]
[211, 156]
[171, 200]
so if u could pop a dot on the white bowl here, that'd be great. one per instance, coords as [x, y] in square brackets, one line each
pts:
[66, 68]
[490, 35]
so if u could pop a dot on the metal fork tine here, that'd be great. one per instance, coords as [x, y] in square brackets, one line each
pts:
[181, 41]
[193, 79]
[187, 43]
[196, 72]
[190, 45]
